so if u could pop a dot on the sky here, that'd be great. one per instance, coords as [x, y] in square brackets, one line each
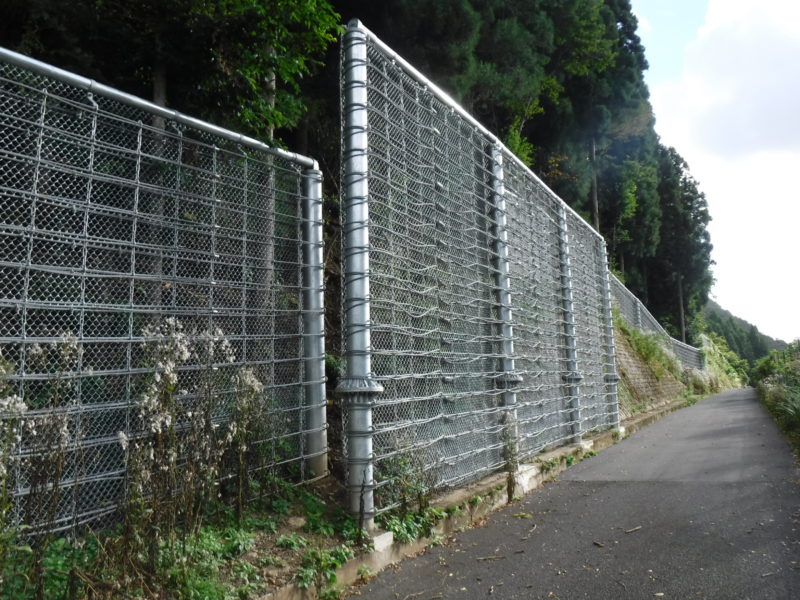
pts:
[724, 82]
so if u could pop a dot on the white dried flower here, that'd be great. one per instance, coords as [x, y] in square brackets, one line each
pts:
[12, 407]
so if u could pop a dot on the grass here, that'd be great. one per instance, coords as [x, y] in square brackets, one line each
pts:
[783, 403]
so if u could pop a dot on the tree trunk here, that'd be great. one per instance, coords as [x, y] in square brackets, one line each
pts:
[680, 308]
[270, 89]
[595, 203]
[159, 98]
[159, 89]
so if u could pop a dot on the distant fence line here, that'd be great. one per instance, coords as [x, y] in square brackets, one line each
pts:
[636, 315]
[119, 216]
[476, 314]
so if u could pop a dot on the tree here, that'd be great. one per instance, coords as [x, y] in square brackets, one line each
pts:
[238, 63]
[678, 276]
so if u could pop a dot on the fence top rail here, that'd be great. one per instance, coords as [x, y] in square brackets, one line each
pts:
[684, 345]
[444, 97]
[92, 86]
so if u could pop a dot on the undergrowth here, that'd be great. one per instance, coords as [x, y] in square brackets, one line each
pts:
[778, 385]
[651, 348]
[197, 521]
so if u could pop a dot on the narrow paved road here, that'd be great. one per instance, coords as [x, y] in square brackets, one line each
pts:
[702, 504]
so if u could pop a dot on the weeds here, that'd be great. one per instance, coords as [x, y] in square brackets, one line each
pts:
[319, 565]
[12, 412]
[409, 527]
[779, 389]
[183, 535]
[292, 541]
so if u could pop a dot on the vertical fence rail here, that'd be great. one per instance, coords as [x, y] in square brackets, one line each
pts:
[314, 323]
[358, 384]
[121, 219]
[572, 376]
[508, 379]
[611, 378]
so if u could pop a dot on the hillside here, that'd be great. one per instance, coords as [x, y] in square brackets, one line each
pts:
[742, 337]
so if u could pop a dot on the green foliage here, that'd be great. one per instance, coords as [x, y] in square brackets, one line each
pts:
[652, 349]
[545, 466]
[518, 144]
[316, 518]
[742, 337]
[724, 362]
[292, 541]
[62, 560]
[407, 482]
[238, 63]
[778, 379]
[318, 568]
[409, 527]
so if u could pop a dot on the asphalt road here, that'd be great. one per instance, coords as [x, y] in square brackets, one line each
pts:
[705, 503]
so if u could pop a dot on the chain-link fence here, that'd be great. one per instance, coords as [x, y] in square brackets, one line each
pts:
[690, 357]
[636, 315]
[121, 220]
[465, 343]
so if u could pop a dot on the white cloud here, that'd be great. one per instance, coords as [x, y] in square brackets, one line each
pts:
[644, 26]
[734, 116]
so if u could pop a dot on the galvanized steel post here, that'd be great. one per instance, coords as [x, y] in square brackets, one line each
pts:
[508, 378]
[572, 377]
[611, 378]
[358, 385]
[316, 452]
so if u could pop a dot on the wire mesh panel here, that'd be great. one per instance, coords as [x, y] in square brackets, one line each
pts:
[439, 218]
[118, 229]
[543, 417]
[434, 340]
[690, 357]
[587, 282]
[626, 302]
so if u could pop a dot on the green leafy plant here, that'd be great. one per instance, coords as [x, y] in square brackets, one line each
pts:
[364, 573]
[407, 482]
[545, 466]
[292, 541]
[316, 517]
[319, 565]
[411, 526]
